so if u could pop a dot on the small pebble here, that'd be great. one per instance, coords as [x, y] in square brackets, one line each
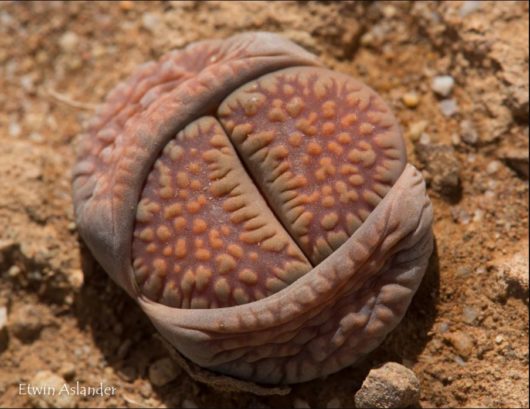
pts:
[468, 133]
[76, 279]
[480, 270]
[517, 159]
[14, 129]
[468, 7]
[47, 380]
[513, 273]
[443, 328]
[470, 314]
[69, 41]
[13, 271]
[416, 129]
[489, 194]
[443, 85]
[462, 343]
[463, 271]
[493, 167]
[389, 11]
[390, 386]
[460, 215]
[443, 166]
[146, 389]
[163, 371]
[36, 137]
[458, 359]
[448, 107]
[150, 21]
[425, 138]
[411, 99]
[26, 323]
[499, 339]
[478, 216]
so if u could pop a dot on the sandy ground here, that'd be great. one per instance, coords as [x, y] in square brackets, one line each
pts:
[466, 333]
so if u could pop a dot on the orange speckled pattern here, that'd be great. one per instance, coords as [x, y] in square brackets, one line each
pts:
[324, 147]
[204, 237]
[257, 206]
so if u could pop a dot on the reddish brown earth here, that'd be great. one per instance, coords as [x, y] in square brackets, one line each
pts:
[466, 333]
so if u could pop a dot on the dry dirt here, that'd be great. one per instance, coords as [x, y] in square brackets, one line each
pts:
[466, 333]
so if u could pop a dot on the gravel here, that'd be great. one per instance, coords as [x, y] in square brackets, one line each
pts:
[47, 380]
[163, 371]
[517, 160]
[69, 41]
[443, 168]
[150, 21]
[26, 323]
[469, 314]
[411, 99]
[468, 7]
[462, 343]
[443, 85]
[416, 129]
[512, 275]
[449, 107]
[493, 167]
[390, 386]
[468, 133]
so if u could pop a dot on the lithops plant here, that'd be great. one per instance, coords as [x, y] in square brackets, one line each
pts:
[257, 206]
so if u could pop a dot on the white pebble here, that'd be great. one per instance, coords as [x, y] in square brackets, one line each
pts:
[499, 339]
[68, 41]
[443, 85]
[478, 215]
[425, 138]
[493, 167]
[150, 21]
[14, 129]
[443, 328]
[448, 107]
[470, 314]
[468, 7]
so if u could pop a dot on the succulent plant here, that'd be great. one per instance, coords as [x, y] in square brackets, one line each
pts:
[257, 206]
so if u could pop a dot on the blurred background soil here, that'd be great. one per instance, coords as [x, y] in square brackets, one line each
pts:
[466, 333]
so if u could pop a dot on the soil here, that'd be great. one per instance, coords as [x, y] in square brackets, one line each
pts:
[466, 332]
